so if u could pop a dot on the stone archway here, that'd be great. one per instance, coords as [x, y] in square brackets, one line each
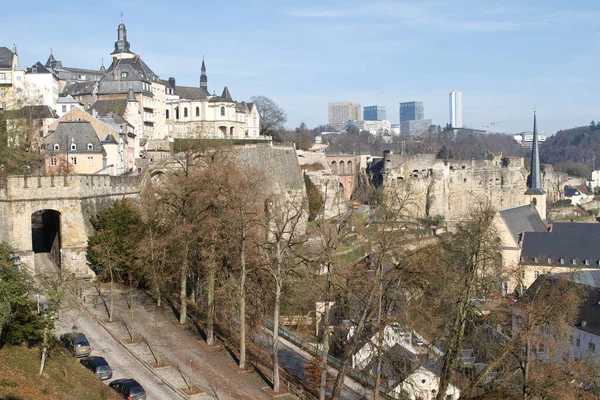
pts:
[46, 233]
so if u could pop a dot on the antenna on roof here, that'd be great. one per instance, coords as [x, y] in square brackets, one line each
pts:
[121, 16]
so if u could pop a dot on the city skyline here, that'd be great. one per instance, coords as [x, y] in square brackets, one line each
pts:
[510, 57]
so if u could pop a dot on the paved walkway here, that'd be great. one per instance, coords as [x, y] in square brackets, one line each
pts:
[211, 369]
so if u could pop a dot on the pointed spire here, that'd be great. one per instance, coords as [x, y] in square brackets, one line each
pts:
[51, 60]
[102, 69]
[535, 182]
[203, 77]
[131, 96]
[226, 95]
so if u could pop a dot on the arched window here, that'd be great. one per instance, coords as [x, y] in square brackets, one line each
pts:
[177, 113]
[334, 166]
[222, 111]
[197, 111]
[90, 146]
[56, 147]
[73, 146]
[349, 167]
[185, 112]
[342, 168]
[167, 113]
[231, 131]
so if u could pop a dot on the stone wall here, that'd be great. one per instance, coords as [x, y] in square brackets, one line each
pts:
[76, 197]
[451, 189]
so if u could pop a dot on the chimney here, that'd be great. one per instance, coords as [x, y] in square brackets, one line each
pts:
[14, 48]
[172, 82]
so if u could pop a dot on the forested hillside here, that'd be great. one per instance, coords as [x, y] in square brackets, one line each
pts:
[573, 150]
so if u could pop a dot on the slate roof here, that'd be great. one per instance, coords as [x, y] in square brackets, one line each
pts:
[41, 69]
[6, 58]
[79, 88]
[105, 107]
[81, 133]
[571, 191]
[225, 97]
[573, 228]
[190, 93]
[33, 112]
[241, 107]
[138, 65]
[522, 219]
[589, 310]
[557, 246]
[68, 99]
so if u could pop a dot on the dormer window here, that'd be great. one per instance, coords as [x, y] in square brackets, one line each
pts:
[549, 260]
[123, 74]
[586, 262]
[522, 258]
[56, 147]
[574, 261]
[73, 146]
[90, 146]
[536, 260]
[561, 260]
[34, 70]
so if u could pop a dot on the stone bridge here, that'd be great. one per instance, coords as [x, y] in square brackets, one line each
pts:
[51, 214]
[345, 166]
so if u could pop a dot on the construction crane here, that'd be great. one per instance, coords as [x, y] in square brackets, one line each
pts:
[492, 125]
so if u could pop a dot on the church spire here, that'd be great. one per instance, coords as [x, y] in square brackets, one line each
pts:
[203, 77]
[535, 183]
[121, 45]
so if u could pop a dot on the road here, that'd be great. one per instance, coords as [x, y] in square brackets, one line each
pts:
[123, 364]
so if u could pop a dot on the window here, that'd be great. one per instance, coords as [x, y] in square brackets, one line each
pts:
[2, 75]
[167, 113]
[586, 262]
[123, 74]
[578, 343]
[90, 146]
[34, 70]
[185, 112]
[53, 161]
[591, 347]
[536, 260]
[74, 160]
[536, 274]
[549, 260]
[73, 146]
[64, 108]
[561, 260]
[222, 111]
[90, 160]
[56, 147]
[197, 111]
[573, 261]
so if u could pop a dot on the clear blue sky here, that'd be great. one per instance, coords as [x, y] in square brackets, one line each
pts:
[507, 57]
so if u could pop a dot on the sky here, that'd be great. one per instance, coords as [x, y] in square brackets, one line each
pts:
[507, 57]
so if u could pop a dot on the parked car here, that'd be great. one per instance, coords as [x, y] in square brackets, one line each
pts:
[77, 344]
[98, 366]
[128, 388]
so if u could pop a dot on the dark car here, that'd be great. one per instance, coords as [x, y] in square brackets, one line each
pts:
[129, 389]
[77, 344]
[98, 366]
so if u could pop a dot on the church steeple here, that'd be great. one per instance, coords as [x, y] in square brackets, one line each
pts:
[203, 77]
[121, 45]
[535, 182]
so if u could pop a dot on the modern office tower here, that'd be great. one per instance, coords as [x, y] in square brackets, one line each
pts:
[374, 113]
[343, 112]
[415, 127]
[456, 119]
[411, 110]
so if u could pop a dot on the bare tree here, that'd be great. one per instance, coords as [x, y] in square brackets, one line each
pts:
[272, 118]
[283, 219]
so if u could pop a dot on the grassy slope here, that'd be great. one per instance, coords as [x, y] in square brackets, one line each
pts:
[64, 377]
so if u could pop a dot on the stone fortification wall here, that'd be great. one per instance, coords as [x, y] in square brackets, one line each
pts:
[76, 197]
[283, 178]
[451, 189]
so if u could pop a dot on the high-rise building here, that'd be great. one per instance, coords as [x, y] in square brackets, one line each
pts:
[411, 110]
[456, 119]
[374, 113]
[343, 112]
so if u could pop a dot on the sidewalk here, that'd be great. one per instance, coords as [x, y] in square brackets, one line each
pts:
[191, 362]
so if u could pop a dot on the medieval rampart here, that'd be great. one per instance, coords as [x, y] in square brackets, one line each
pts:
[451, 188]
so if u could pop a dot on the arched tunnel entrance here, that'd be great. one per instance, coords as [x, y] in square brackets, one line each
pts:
[45, 233]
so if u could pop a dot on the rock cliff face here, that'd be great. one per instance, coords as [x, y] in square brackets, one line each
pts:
[315, 166]
[451, 189]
